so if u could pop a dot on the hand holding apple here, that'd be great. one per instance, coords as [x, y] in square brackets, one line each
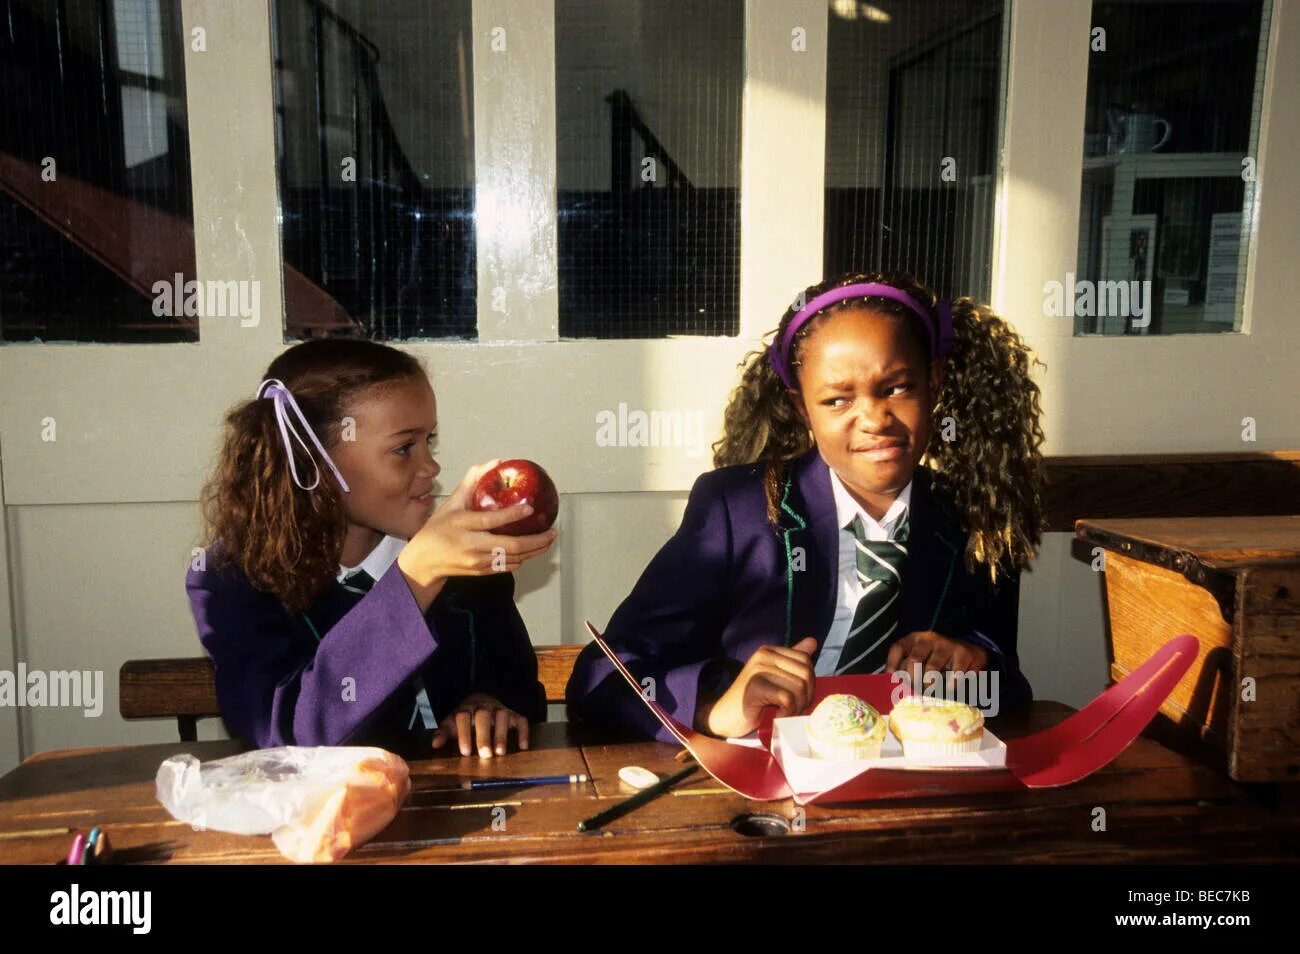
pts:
[514, 482]
[457, 540]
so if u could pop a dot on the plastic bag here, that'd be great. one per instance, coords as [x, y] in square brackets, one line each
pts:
[317, 803]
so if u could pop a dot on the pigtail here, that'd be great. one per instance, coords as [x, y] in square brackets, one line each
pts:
[761, 424]
[986, 440]
[287, 541]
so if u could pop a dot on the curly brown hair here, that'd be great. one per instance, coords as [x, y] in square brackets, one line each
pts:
[992, 472]
[286, 540]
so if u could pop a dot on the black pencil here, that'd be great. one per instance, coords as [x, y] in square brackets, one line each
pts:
[636, 801]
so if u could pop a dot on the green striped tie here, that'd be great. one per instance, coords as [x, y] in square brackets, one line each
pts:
[875, 621]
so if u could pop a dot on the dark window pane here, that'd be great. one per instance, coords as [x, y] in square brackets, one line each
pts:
[94, 172]
[648, 101]
[376, 164]
[1173, 110]
[913, 109]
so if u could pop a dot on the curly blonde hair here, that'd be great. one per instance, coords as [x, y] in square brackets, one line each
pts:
[286, 540]
[992, 472]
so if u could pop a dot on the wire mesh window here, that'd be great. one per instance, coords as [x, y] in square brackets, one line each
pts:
[648, 98]
[375, 145]
[95, 206]
[1174, 93]
[913, 108]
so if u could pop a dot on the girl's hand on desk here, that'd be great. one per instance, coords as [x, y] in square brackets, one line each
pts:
[935, 652]
[482, 723]
[773, 676]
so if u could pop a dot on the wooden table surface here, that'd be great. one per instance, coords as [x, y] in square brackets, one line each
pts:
[1159, 807]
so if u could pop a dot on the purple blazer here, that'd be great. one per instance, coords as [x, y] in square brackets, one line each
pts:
[277, 685]
[727, 583]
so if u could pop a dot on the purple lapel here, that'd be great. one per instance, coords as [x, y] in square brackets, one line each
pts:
[810, 511]
[934, 546]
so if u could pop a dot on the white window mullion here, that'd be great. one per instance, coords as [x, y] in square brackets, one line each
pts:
[231, 115]
[514, 170]
[1271, 42]
[783, 157]
[1036, 220]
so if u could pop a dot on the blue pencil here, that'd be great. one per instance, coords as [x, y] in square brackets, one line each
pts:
[478, 783]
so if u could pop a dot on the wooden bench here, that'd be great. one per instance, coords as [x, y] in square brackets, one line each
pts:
[1168, 485]
[185, 690]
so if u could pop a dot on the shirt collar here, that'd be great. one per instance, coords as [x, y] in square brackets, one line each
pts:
[378, 561]
[846, 508]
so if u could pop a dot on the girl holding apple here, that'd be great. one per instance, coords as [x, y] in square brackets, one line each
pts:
[822, 544]
[345, 610]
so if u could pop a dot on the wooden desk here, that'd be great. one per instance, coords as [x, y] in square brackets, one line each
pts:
[1234, 584]
[1160, 807]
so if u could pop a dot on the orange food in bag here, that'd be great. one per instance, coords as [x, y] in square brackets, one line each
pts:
[316, 802]
[341, 819]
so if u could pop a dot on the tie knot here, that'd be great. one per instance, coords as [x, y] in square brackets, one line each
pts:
[881, 559]
[899, 535]
[359, 580]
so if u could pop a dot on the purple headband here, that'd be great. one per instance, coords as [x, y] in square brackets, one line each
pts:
[938, 324]
[274, 388]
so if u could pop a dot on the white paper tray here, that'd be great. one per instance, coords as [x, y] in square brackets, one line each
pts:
[806, 773]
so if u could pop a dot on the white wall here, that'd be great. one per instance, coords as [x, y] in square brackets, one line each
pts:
[99, 523]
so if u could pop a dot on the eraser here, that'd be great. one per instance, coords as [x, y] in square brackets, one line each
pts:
[637, 777]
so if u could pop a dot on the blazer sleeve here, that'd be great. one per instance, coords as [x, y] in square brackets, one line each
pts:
[505, 661]
[668, 629]
[991, 623]
[277, 688]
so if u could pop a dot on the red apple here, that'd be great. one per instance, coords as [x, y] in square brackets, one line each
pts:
[514, 482]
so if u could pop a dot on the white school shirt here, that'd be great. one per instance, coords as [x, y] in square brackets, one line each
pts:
[849, 589]
[376, 564]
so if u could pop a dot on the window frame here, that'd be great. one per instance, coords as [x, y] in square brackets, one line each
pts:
[232, 149]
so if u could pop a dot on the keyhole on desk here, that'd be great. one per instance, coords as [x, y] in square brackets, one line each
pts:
[760, 824]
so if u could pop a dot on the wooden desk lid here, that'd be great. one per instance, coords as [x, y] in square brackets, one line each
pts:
[1217, 543]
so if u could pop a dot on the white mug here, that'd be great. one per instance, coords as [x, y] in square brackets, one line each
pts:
[1138, 132]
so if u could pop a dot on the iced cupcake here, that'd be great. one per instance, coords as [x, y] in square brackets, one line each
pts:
[930, 728]
[845, 727]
